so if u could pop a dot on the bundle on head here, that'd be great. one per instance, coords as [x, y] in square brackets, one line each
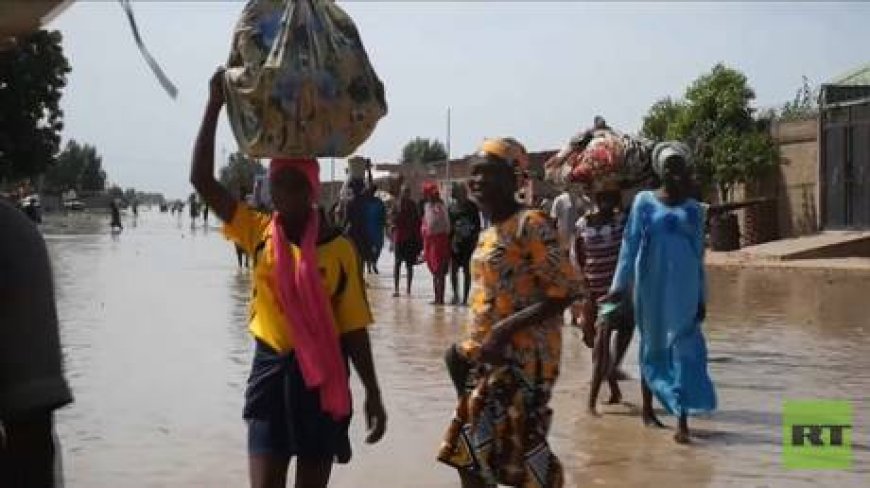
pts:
[605, 157]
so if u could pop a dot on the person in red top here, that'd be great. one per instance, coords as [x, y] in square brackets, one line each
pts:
[407, 242]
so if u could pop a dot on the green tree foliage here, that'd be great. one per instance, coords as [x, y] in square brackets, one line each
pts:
[716, 118]
[78, 167]
[239, 174]
[421, 150]
[804, 105]
[659, 119]
[32, 74]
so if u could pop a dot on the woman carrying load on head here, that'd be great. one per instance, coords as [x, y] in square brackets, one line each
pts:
[309, 317]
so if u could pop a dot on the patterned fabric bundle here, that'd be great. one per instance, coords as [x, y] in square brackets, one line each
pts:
[299, 82]
[600, 159]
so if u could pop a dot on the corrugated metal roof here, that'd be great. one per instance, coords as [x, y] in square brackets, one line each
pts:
[856, 77]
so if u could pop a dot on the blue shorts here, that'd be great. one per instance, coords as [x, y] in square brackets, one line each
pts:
[284, 417]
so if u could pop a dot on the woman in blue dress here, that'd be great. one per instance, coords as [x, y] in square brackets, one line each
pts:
[662, 260]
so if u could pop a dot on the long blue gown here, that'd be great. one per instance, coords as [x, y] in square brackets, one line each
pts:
[662, 257]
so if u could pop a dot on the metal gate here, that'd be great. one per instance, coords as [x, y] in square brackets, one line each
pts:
[845, 157]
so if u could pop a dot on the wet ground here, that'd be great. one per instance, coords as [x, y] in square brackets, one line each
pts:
[153, 325]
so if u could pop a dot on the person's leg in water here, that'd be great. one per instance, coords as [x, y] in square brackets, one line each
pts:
[623, 339]
[376, 256]
[240, 253]
[409, 265]
[397, 272]
[466, 278]
[600, 364]
[312, 472]
[682, 435]
[27, 453]
[268, 470]
[442, 285]
[461, 261]
[611, 374]
[438, 285]
[454, 278]
[647, 413]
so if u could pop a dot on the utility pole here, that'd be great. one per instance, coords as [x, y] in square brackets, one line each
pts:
[447, 163]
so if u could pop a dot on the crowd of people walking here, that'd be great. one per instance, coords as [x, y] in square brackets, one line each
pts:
[637, 267]
[621, 268]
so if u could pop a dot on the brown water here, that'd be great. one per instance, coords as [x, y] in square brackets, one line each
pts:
[153, 324]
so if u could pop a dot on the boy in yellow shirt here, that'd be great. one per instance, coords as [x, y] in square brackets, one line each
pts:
[286, 416]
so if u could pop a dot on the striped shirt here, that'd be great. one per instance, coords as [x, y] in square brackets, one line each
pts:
[601, 246]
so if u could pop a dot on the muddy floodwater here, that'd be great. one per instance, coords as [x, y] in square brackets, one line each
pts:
[157, 353]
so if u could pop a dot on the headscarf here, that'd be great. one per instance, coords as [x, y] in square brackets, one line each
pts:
[300, 294]
[507, 149]
[510, 151]
[668, 149]
[430, 189]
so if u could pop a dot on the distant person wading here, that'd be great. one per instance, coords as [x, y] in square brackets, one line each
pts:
[464, 230]
[407, 241]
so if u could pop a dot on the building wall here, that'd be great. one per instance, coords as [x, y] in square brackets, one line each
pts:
[415, 174]
[797, 188]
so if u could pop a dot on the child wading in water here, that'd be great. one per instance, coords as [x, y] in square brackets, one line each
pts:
[309, 315]
[599, 238]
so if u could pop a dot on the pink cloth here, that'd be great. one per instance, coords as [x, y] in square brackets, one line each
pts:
[307, 310]
[436, 237]
[436, 252]
[430, 189]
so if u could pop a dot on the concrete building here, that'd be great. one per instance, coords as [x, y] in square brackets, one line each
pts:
[823, 181]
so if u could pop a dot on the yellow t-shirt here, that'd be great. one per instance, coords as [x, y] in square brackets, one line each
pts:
[339, 268]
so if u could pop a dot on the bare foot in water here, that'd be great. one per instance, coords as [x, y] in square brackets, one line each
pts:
[682, 437]
[650, 420]
[592, 411]
[615, 398]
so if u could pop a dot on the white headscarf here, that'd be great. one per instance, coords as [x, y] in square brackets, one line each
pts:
[669, 149]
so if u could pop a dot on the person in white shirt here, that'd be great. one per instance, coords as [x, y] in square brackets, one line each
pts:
[569, 206]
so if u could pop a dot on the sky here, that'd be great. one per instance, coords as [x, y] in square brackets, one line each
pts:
[537, 71]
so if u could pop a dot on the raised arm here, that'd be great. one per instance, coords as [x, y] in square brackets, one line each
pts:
[624, 276]
[202, 166]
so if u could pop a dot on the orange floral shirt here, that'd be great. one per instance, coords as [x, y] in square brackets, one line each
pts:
[518, 263]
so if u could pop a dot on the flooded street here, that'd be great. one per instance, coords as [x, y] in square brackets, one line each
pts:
[157, 353]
